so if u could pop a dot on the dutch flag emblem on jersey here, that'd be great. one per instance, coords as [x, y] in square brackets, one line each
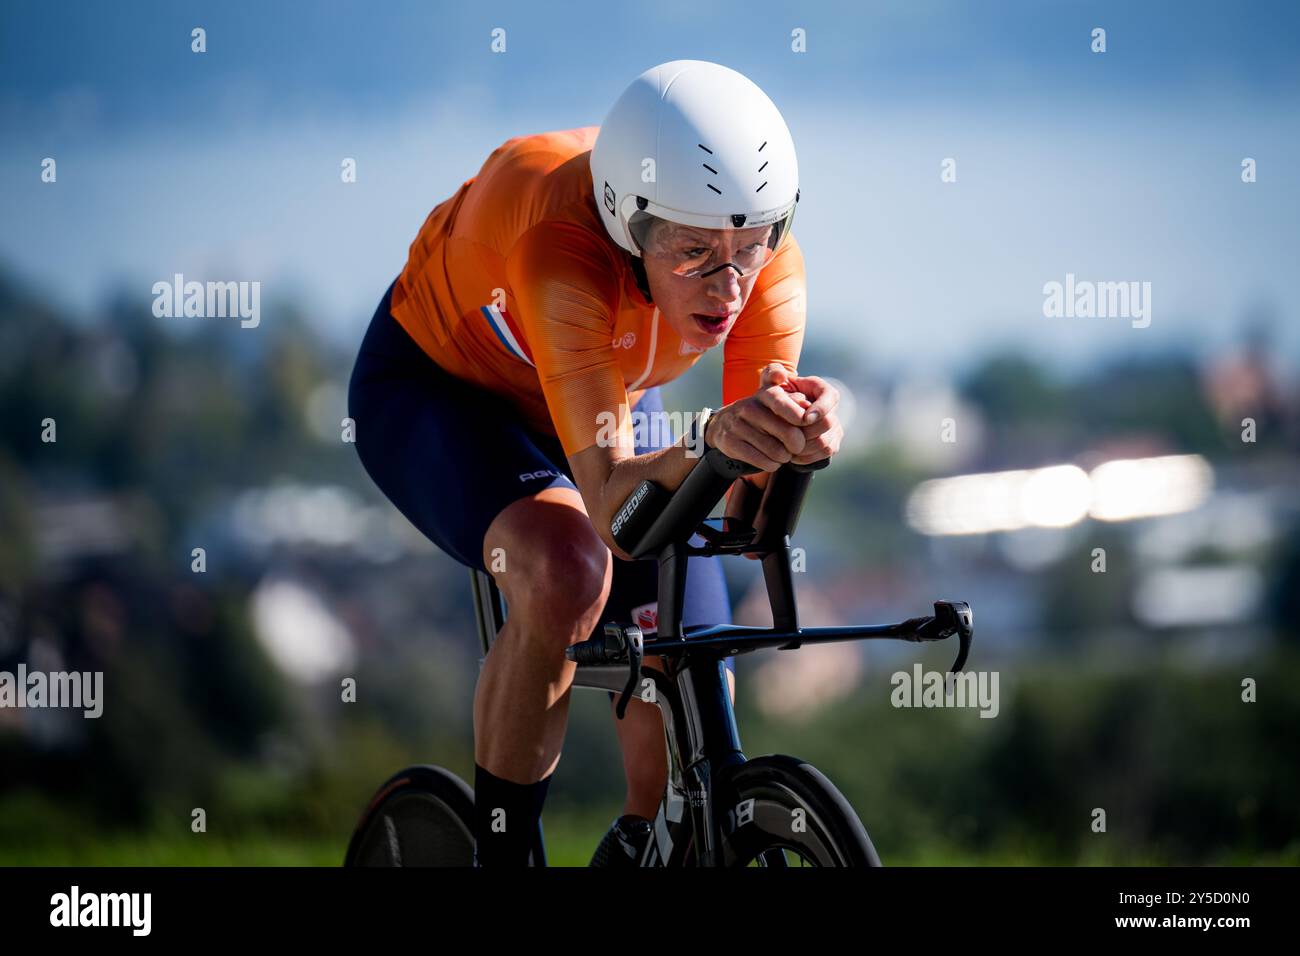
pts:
[507, 332]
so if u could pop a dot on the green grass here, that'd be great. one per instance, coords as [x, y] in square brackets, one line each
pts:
[200, 849]
[570, 840]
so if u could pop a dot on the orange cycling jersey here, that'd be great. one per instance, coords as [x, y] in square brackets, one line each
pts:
[514, 284]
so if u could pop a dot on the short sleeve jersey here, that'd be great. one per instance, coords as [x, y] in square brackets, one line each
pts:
[513, 284]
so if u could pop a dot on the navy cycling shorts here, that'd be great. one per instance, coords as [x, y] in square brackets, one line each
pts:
[426, 452]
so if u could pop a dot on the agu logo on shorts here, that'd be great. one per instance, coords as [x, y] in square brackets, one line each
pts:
[646, 617]
[548, 473]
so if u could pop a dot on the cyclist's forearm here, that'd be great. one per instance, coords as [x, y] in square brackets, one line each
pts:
[666, 468]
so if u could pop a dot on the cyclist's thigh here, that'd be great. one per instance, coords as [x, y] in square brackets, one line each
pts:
[450, 456]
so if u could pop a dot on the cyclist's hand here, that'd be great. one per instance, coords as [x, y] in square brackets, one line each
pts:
[762, 430]
[822, 431]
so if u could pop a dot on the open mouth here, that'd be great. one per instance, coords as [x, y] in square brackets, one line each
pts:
[712, 324]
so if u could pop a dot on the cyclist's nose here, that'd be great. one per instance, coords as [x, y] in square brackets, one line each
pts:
[723, 285]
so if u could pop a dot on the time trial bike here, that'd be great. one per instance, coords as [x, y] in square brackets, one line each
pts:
[719, 808]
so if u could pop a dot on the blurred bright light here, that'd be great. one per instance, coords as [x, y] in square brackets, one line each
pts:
[1055, 497]
[1142, 487]
[1058, 496]
[300, 633]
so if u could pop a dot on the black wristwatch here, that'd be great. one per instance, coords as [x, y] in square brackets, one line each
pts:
[695, 436]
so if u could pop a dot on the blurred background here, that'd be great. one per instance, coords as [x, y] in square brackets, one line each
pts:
[990, 449]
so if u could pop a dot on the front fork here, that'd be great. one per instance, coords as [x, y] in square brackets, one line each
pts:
[700, 726]
[704, 743]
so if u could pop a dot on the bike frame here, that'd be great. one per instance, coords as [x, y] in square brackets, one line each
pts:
[691, 692]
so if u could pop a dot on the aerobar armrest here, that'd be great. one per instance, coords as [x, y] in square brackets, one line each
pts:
[652, 518]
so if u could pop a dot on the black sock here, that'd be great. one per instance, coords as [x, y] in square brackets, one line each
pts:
[505, 818]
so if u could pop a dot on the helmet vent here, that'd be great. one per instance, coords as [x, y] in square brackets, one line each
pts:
[760, 149]
[714, 188]
[709, 151]
[709, 168]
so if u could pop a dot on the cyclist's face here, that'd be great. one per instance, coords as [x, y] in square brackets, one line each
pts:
[700, 309]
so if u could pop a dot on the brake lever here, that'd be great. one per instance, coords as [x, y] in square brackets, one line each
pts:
[956, 617]
[633, 642]
[950, 617]
[616, 643]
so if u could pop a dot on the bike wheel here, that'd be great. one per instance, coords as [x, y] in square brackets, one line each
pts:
[422, 816]
[786, 813]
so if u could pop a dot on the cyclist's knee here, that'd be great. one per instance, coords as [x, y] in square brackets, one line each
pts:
[549, 562]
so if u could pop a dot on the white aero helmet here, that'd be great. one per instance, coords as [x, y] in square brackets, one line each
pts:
[697, 144]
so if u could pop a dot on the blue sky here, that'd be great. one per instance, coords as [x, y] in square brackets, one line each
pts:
[1119, 166]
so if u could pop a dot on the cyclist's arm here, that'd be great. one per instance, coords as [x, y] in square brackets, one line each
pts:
[763, 429]
[564, 289]
[566, 284]
[606, 476]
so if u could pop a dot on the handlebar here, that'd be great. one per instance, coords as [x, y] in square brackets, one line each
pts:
[652, 518]
[656, 523]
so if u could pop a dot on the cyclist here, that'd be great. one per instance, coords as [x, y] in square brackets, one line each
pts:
[505, 392]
